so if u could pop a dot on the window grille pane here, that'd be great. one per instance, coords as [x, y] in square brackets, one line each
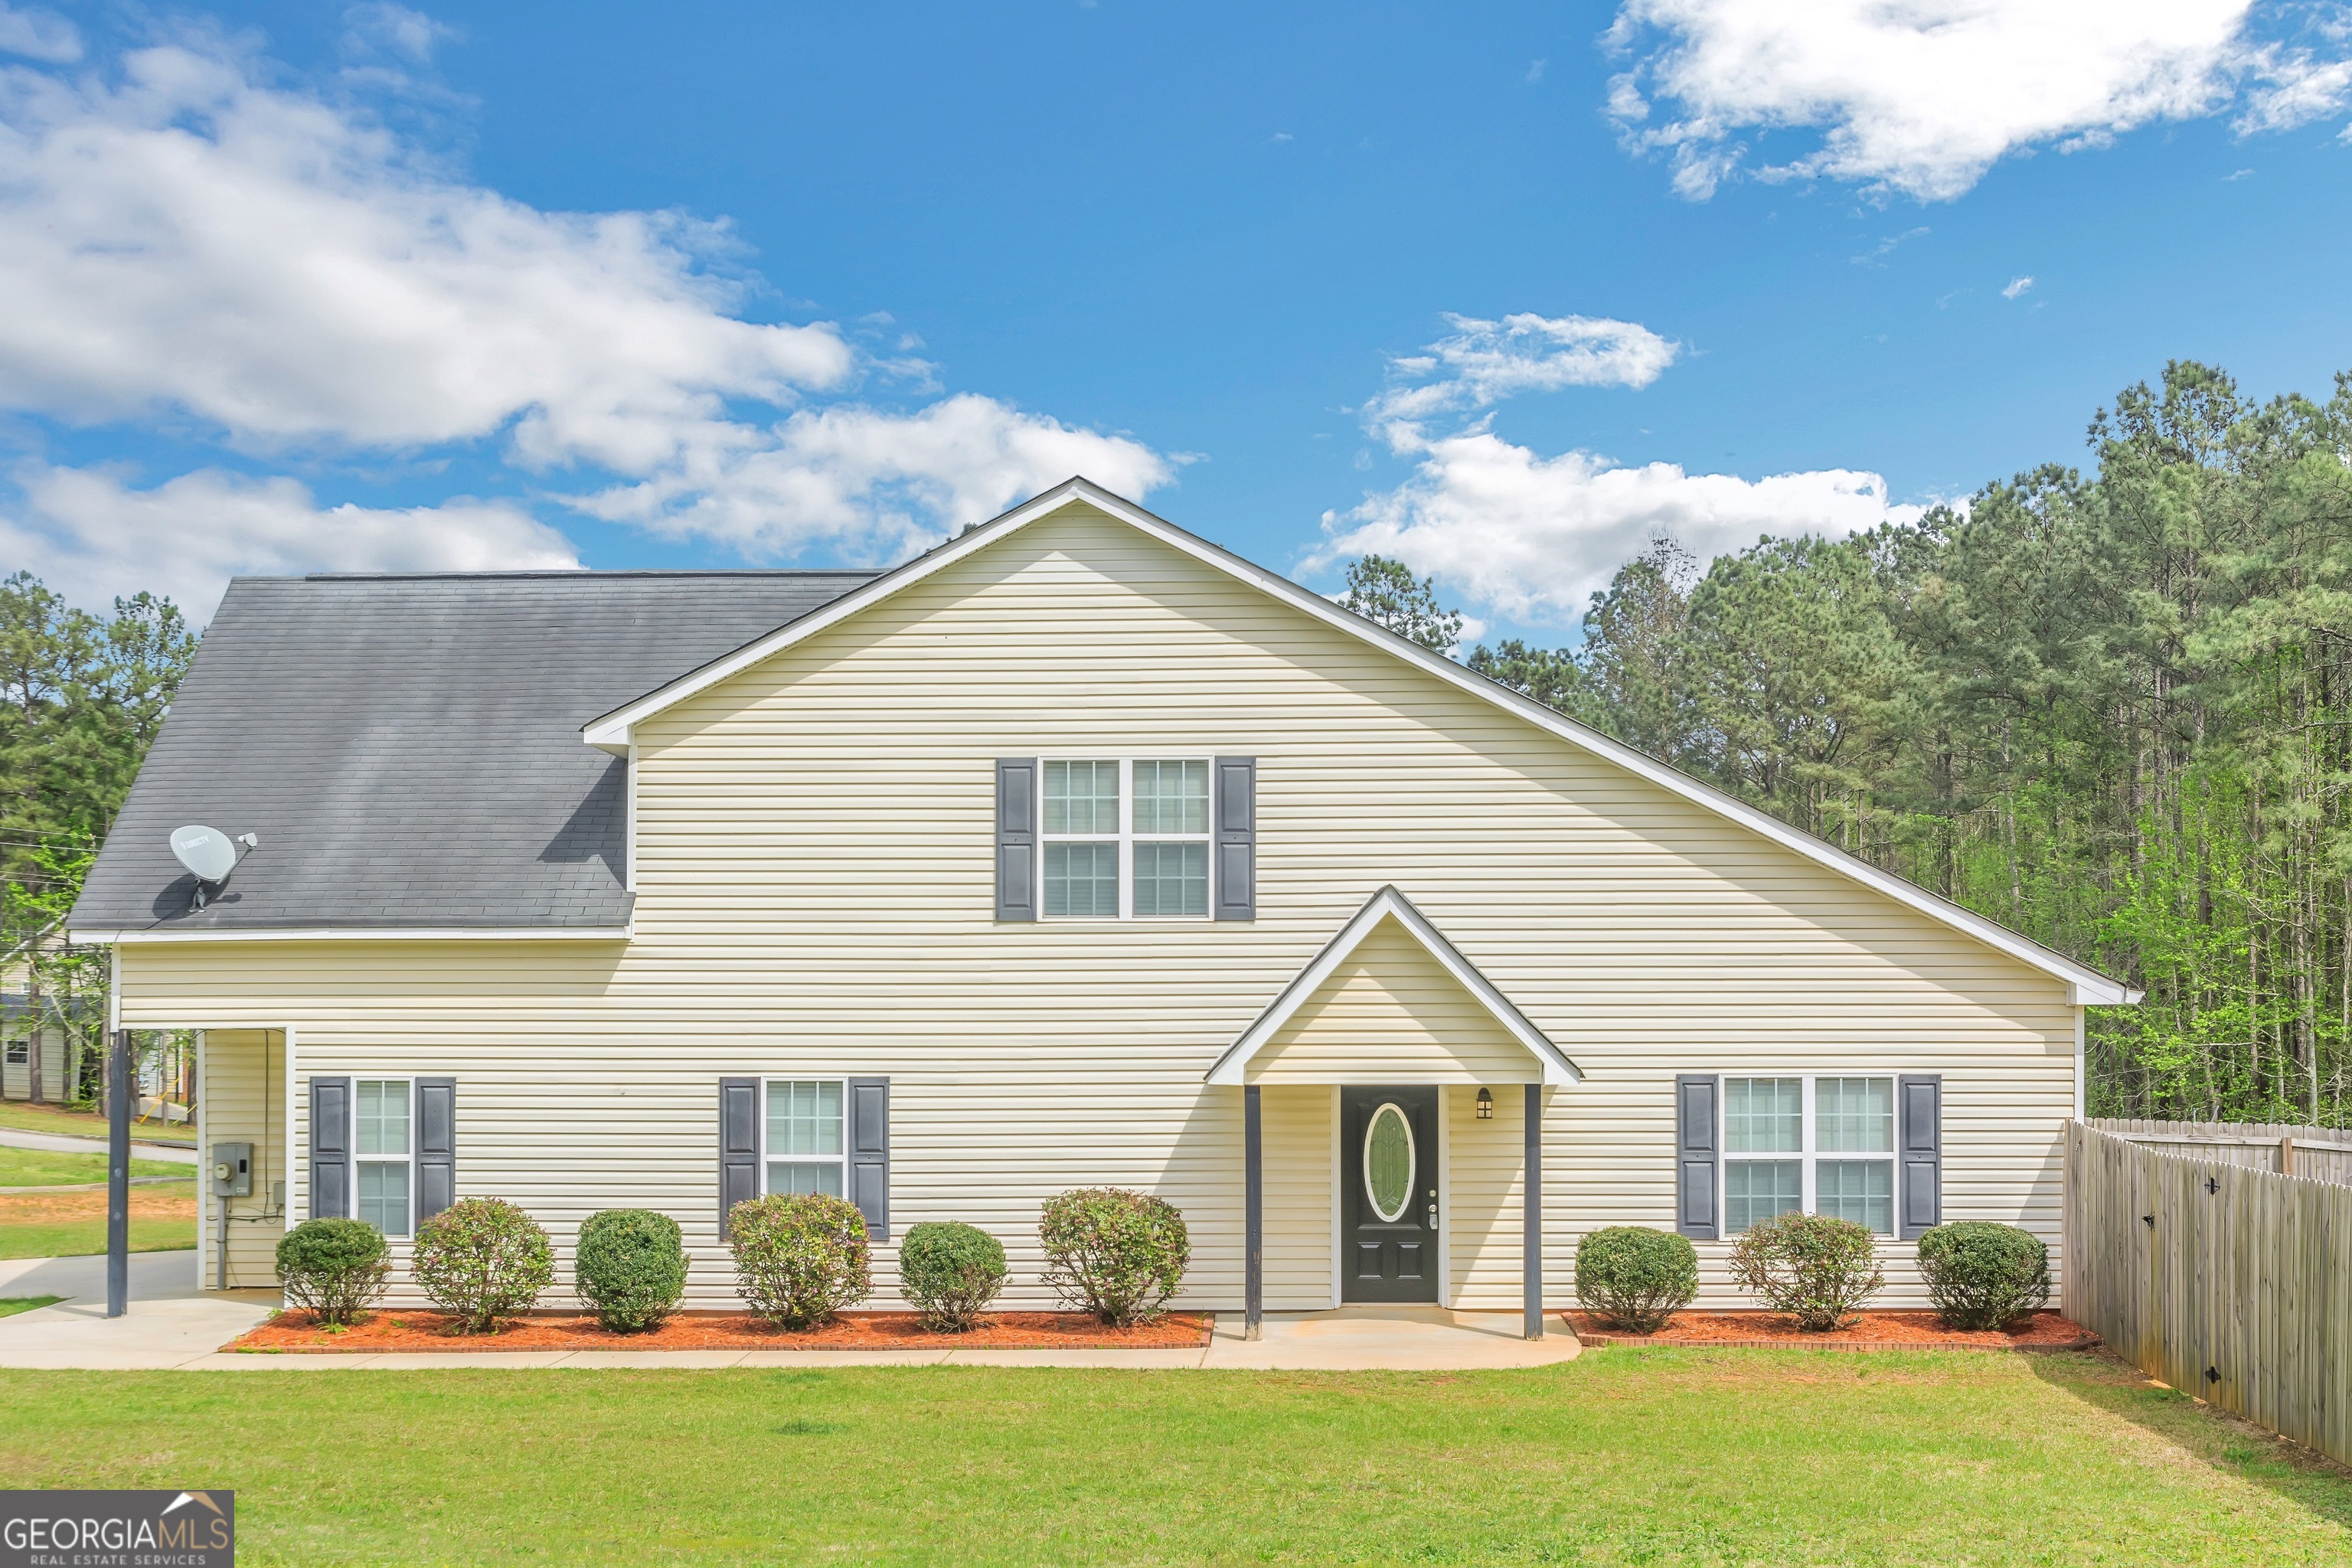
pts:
[1082, 797]
[1171, 797]
[1855, 1115]
[805, 1116]
[1763, 1115]
[1171, 879]
[383, 1109]
[383, 1197]
[1082, 880]
[1756, 1190]
[1860, 1190]
[804, 1176]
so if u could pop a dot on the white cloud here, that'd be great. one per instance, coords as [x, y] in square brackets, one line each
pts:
[1923, 96]
[393, 29]
[875, 485]
[181, 239]
[1485, 362]
[90, 536]
[1532, 537]
[2017, 285]
[191, 240]
[38, 34]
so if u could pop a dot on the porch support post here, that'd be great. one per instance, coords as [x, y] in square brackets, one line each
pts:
[1531, 1222]
[118, 1174]
[1253, 1222]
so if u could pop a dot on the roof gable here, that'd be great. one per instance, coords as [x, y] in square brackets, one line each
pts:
[612, 731]
[1385, 911]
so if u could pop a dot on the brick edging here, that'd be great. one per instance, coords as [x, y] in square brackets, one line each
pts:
[1825, 1342]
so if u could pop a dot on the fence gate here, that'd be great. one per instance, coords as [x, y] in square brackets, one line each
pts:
[2228, 1281]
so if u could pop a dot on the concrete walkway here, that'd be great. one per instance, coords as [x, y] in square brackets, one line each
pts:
[171, 1324]
[66, 1143]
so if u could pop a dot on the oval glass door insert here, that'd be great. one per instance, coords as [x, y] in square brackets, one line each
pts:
[1389, 1161]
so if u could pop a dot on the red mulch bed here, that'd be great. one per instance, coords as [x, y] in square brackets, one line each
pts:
[426, 1330]
[1890, 1330]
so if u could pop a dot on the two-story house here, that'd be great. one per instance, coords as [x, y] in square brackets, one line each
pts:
[1074, 852]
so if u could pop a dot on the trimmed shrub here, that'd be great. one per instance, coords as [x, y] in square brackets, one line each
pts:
[484, 1262]
[799, 1257]
[1635, 1276]
[631, 1268]
[950, 1272]
[1984, 1276]
[333, 1269]
[1810, 1265]
[1117, 1254]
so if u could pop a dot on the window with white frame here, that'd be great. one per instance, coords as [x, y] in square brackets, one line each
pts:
[1126, 838]
[385, 1153]
[20, 1053]
[1823, 1145]
[803, 1136]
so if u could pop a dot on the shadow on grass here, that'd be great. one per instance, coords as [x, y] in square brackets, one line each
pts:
[2225, 1442]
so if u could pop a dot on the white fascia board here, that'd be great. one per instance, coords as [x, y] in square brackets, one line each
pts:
[1390, 904]
[611, 732]
[367, 933]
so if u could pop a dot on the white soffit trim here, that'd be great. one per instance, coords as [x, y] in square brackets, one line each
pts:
[1389, 904]
[611, 732]
[367, 933]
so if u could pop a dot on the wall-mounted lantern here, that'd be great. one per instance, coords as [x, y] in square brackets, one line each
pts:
[1485, 1105]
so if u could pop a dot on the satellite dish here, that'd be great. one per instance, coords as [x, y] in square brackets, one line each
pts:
[206, 851]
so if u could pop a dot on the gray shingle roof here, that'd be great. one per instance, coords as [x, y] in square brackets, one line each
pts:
[408, 747]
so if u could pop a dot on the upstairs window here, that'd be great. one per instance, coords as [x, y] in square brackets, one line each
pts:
[1126, 838]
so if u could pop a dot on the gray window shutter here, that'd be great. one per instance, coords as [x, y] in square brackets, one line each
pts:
[1236, 808]
[1698, 1155]
[1919, 1181]
[869, 1152]
[1017, 838]
[739, 1145]
[436, 1146]
[331, 1148]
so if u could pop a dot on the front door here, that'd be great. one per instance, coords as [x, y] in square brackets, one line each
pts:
[1387, 1200]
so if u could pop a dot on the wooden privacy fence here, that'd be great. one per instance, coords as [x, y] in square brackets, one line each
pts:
[2228, 1282]
[2322, 1151]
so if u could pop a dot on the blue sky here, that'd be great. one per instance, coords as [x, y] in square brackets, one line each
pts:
[1503, 290]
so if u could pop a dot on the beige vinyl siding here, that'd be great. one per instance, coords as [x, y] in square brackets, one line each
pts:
[242, 1101]
[1392, 1014]
[1486, 1217]
[815, 853]
[1298, 1135]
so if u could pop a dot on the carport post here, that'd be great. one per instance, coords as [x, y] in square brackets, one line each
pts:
[118, 1175]
[1531, 1223]
[1254, 1216]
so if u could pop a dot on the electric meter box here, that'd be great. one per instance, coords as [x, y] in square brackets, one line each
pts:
[232, 1170]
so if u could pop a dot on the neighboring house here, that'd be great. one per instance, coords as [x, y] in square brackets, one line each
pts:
[1075, 852]
[22, 1077]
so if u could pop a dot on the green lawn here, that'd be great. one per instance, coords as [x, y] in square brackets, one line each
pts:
[39, 1168]
[26, 1117]
[1624, 1456]
[12, 1305]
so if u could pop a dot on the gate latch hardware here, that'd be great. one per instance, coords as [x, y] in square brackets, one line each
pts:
[2212, 1185]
